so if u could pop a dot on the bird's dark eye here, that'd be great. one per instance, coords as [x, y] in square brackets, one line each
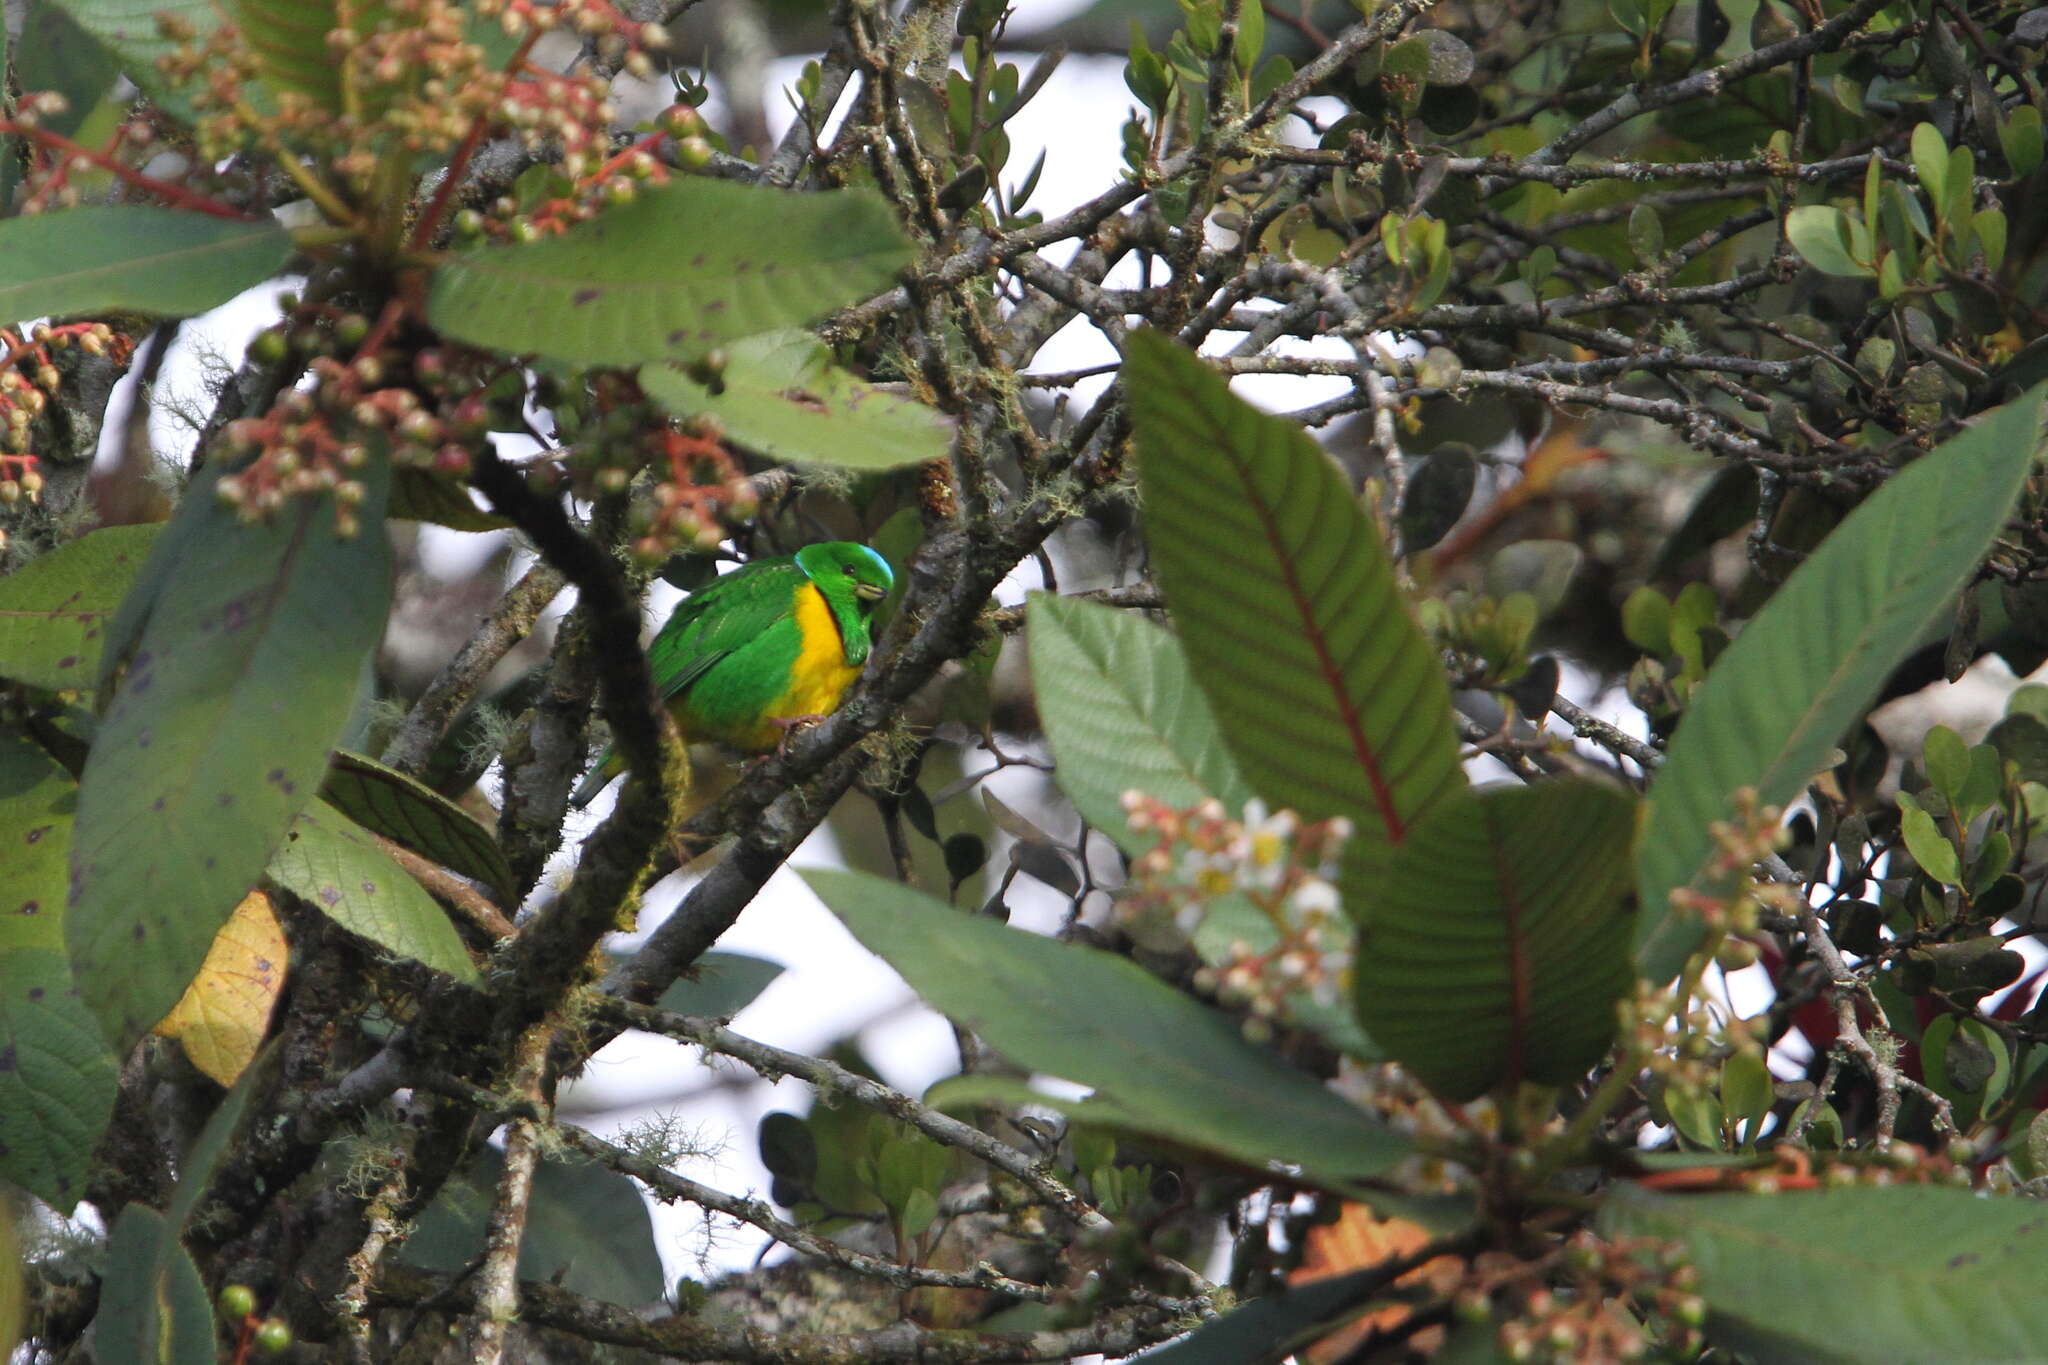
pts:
[848, 571]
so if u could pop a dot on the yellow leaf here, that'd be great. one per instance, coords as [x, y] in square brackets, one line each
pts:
[226, 1010]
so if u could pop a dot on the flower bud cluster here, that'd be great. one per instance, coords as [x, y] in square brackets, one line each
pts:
[1287, 870]
[19, 480]
[1591, 1302]
[317, 441]
[420, 88]
[698, 491]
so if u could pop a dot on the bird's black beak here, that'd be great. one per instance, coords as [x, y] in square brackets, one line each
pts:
[870, 592]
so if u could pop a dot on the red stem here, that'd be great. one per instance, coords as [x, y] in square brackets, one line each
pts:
[179, 196]
[430, 222]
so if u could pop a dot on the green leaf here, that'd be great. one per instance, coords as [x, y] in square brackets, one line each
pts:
[288, 38]
[1816, 233]
[585, 1224]
[1493, 950]
[780, 395]
[54, 612]
[1646, 621]
[1325, 688]
[1893, 1276]
[64, 59]
[409, 812]
[1930, 162]
[685, 267]
[1122, 711]
[335, 865]
[1746, 1090]
[131, 33]
[1786, 690]
[132, 258]
[423, 495]
[153, 1306]
[1946, 760]
[725, 984]
[2020, 138]
[58, 1093]
[250, 656]
[1164, 1064]
[1929, 846]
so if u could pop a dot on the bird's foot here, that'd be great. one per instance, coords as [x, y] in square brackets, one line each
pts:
[790, 727]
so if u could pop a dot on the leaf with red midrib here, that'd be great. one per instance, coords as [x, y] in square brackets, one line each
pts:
[1324, 686]
[1497, 942]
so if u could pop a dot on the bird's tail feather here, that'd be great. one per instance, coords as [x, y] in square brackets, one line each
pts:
[600, 775]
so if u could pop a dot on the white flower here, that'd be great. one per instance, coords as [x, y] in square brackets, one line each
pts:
[1313, 897]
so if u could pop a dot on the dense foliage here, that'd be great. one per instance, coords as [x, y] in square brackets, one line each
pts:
[1678, 363]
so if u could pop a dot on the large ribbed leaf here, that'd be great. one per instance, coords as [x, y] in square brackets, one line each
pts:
[1162, 1063]
[1800, 673]
[1323, 684]
[54, 613]
[131, 258]
[289, 41]
[1122, 711]
[245, 672]
[781, 396]
[1896, 1276]
[57, 1090]
[683, 268]
[409, 812]
[1496, 946]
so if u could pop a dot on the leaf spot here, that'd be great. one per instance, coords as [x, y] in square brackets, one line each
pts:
[583, 296]
[7, 1058]
[68, 661]
[369, 888]
[36, 992]
[31, 908]
[330, 895]
[35, 836]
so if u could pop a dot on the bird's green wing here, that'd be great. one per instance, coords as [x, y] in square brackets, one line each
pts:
[720, 618]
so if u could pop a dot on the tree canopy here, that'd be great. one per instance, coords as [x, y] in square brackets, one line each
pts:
[1486, 920]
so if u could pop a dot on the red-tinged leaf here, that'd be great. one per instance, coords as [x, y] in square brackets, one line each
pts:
[1495, 947]
[1324, 686]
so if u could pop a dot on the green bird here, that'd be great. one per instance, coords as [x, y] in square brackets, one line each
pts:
[771, 643]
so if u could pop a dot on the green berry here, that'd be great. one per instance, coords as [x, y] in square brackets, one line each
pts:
[273, 1338]
[237, 1301]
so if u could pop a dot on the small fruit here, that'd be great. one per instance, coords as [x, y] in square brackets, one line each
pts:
[273, 1338]
[237, 1301]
